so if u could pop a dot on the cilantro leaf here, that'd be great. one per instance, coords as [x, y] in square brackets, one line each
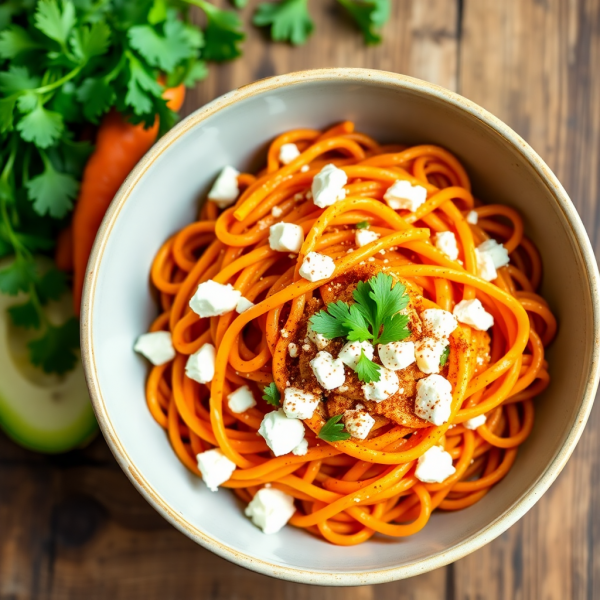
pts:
[54, 20]
[395, 329]
[239, 3]
[358, 326]
[25, 315]
[366, 369]
[96, 97]
[52, 192]
[41, 126]
[17, 79]
[55, 351]
[14, 40]
[90, 41]
[368, 14]
[141, 84]
[362, 225]
[445, 356]
[17, 277]
[331, 322]
[333, 430]
[222, 34]
[196, 71]
[289, 20]
[52, 285]
[7, 107]
[389, 298]
[271, 395]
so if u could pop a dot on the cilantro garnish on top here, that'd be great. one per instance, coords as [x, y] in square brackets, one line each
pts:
[333, 430]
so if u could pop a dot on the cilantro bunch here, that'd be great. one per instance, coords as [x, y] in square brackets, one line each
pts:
[374, 316]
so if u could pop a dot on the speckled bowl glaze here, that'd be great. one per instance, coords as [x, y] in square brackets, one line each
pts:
[161, 195]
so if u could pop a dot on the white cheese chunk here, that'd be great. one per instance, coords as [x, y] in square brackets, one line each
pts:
[270, 509]
[213, 299]
[156, 346]
[434, 466]
[445, 242]
[286, 237]
[318, 339]
[475, 422]
[403, 195]
[316, 267]
[471, 312]
[200, 366]
[381, 390]
[301, 449]
[485, 265]
[428, 352]
[397, 355]
[362, 237]
[276, 212]
[287, 153]
[434, 399]
[497, 252]
[225, 189]
[243, 305]
[438, 323]
[350, 353]
[215, 468]
[328, 186]
[241, 400]
[293, 350]
[358, 422]
[298, 404]
[329, 371]
[472, 217]
[281, 434]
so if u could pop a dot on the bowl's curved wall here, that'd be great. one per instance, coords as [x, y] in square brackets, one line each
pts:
[162, 195]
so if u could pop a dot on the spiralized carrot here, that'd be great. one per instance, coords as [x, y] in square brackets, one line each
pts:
[346, 492]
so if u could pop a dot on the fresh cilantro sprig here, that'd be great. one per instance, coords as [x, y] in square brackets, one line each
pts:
[445, 356]
[366, 370]
[271, 395]
[362, 225]
[333, 430]
[289, 20]
[369, 15]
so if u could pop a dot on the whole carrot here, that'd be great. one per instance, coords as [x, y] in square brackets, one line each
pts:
[119, 147]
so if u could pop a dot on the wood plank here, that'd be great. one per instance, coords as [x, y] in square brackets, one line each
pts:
[535, 65]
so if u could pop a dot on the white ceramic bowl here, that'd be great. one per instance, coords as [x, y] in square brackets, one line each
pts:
[161, 196]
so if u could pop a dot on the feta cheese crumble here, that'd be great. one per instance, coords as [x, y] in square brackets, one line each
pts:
[156, 346]
[471, 312]
[445, 242]
[475, 422]
[293, 350]
[241, 400]
[270, 509]
[438, 323]
[397, 355]
[329, 371]
[243, 305]
[316, 267]
[213, 299]
[287, 153]
[225, 189]
[403, 195]
[286, 237]
[276, 212]
[298, 404]
[200, 366]
[301, 449]
[318, 339]
[363, 237]
[472, 217]
[281, 434]
[387, 385]
[428, 352]
[358, 422]
[215, 468]
[434, 399]
[497, 252]
[434, 466]
[485, 266]
[350, 353]
[328, 186]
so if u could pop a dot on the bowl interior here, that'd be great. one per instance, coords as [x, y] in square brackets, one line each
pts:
[162, 196]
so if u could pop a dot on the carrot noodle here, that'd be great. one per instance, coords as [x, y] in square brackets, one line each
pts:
[349, 491]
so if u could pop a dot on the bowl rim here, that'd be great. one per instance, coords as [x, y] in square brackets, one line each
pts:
[501, 523]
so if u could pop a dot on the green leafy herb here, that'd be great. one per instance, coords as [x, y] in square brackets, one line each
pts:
[239, 3]
[25, 315]
[362, 225]
[368, 15]
[374, 316]
[333, 430]
[366, 370]
[271, 395]
[289, 20]
[445, 356]
[56, 350]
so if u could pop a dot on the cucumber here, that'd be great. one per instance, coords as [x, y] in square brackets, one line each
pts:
[42, 412]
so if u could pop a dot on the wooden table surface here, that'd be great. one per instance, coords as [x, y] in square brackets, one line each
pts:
[73, 527]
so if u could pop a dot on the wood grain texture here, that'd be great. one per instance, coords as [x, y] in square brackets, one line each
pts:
[73, 527]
